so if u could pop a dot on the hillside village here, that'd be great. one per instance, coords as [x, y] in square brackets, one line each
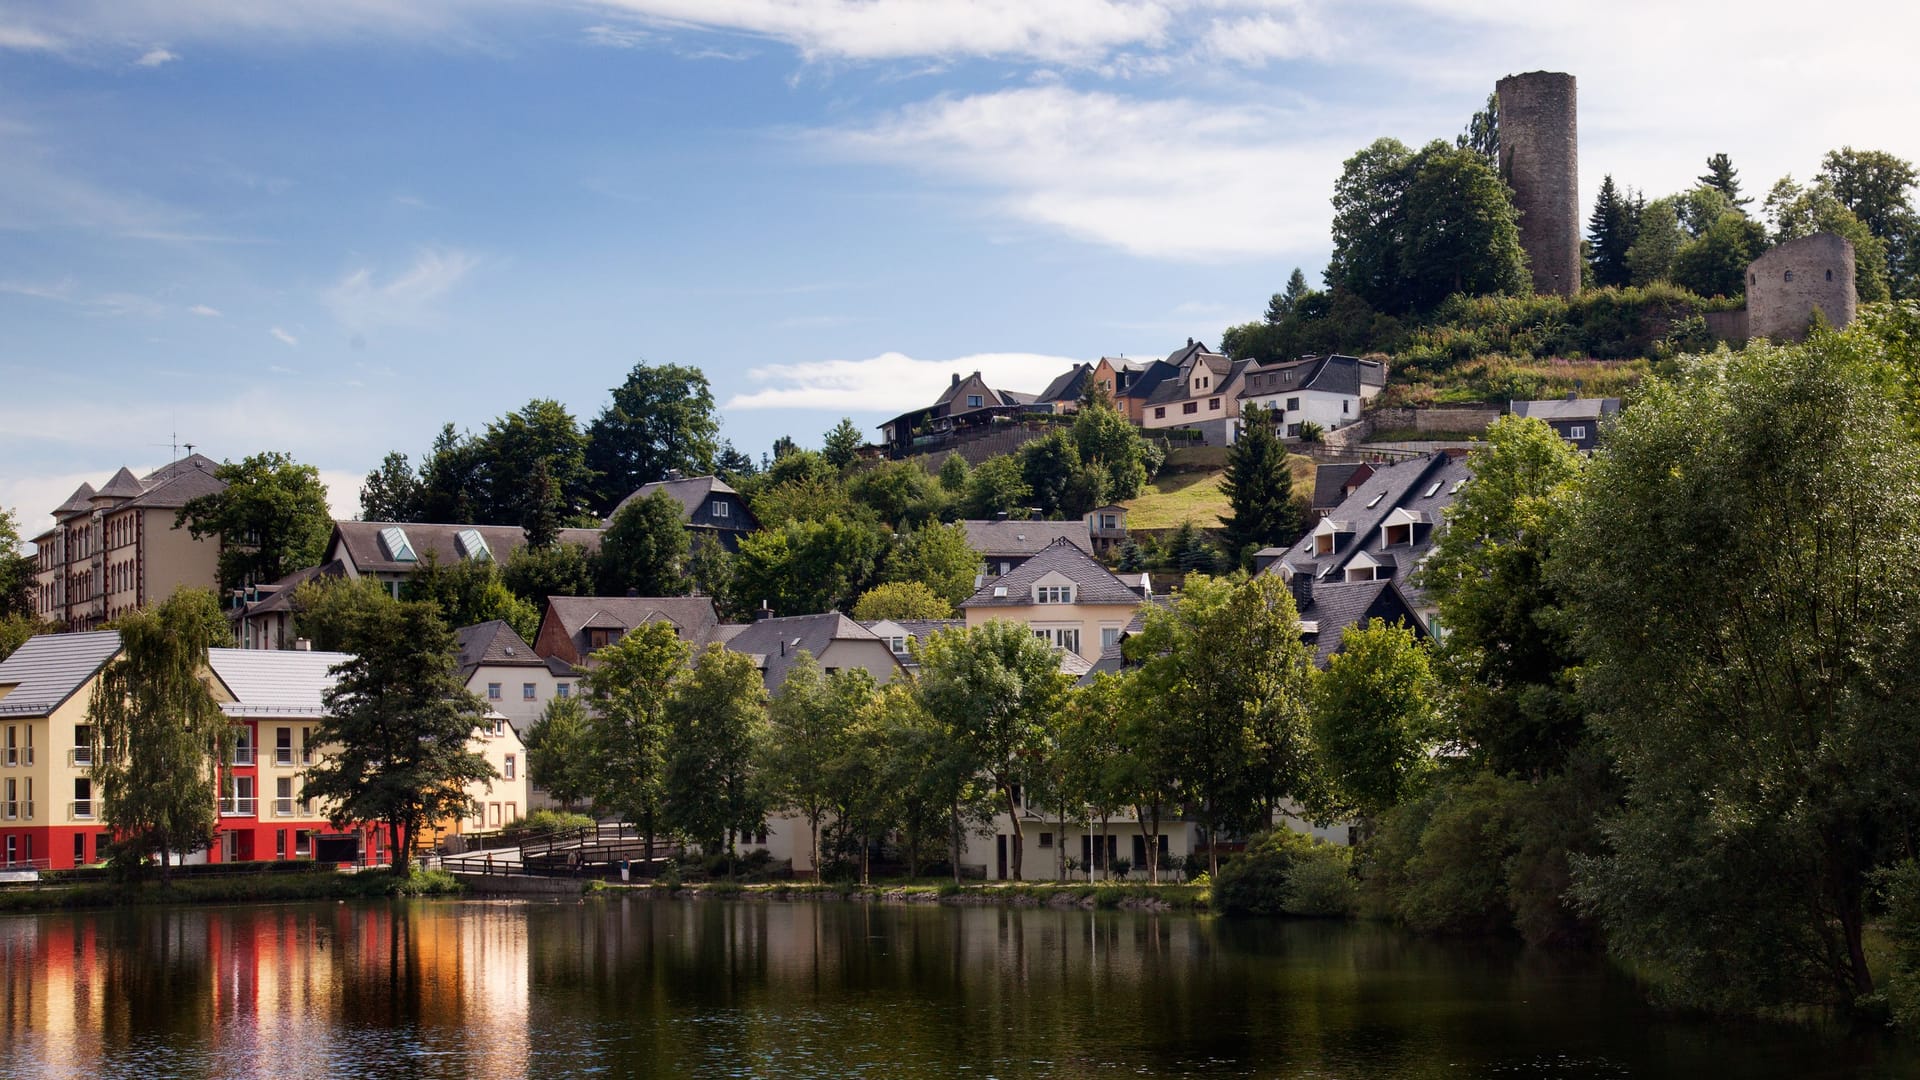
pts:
[950, 647]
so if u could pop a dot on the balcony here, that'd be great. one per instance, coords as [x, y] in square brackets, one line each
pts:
[243, 755]
[82, 809]
[80, 757]
[239, 806]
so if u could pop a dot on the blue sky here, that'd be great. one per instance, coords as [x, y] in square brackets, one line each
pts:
[328, 228]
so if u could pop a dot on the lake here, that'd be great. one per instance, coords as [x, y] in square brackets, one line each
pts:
[642, 987]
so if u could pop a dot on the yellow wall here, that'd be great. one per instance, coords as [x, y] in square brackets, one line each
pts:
[1090, 618]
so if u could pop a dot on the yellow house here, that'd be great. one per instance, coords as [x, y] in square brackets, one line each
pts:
[1065, 597]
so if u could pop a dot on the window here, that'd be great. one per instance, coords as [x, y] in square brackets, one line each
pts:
[1109, 521]
[493, 812]
[493, 691]
[283, 803]
[1108, 635]
[243, 745]
[1046, 839]
[563, 690]
[513, 811]
[1053, 594]
[79, 849]
[479, 816]
[527, 692]
[1064, 637]
[507, 773]
[974, 401]
[720, 508]
[600, 639]
[473, 547]
[1189, 408]
[302, 843]
[1160, 412]
[1577, 432]
[1213, 404]
[1293, 404]
[283, 746]
[240, 802]
[13, 799]
[82, 797]
[29, 747]
[306, 746]
[279, 844]
[1789, 275]
[1344, 407]
[898, 643]
[1293, 431]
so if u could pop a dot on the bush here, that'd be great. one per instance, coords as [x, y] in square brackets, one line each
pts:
[543, 821]
[1900, 889]
[1283, 872]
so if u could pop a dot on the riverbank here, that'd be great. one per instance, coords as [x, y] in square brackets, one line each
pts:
[239, 889]
[1131, 896]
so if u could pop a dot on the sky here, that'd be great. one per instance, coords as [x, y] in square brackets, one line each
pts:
[328, 227]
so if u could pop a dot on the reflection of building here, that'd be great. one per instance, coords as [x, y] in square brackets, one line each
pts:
[116, 549]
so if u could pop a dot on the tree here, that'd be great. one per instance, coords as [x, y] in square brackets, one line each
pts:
[997, 486]
[1110, 443]
[160, 739]
[1226, 670]
[807, 721]
[1656, 243]
[1715, 262]
[535, 573]
[16, 630]
[16, 570]
[627, 689]
[1482, 133]
[806, 567]
[1369, 221]
[898, 493]
[1376, 718]
[272, 518]
[533, 468]
[560, 751]
[842, 444]
[452, 479]
[1795, 212]
[1741, 577]
[468, 593]
[994, 687]
[1875, 185]
[660, 419]
[717, 717]
[867, 805]
[1700, 206]
[732, 465]
[1722, 177]
[1259, 487]
[644, 550]
[1285, 303]
[1611, 230]
[953, 474]
[391, 492]
[1507, 651]
[901, 600]
[325, 610]
[400, 722]
[938, 557]
[1048, 466]
[925, 773]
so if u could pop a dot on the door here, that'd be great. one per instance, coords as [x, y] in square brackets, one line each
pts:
[1000, 856]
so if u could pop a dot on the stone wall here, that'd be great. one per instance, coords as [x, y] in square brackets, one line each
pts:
[1728, 326]
[1788, 283]
[1540, 158]
[1451, 419]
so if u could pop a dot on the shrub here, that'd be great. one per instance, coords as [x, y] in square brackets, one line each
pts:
[1900, 889]
[1283, 872]
[543, 821]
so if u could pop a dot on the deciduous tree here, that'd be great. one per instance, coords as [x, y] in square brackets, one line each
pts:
[272, 518]
[660, 419]
[938, 557]
[717, 716]
[1376, 718]
[645, 549]
[901, 600]
[627, 689]
[560, 751]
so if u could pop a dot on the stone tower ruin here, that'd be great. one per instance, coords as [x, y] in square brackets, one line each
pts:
[1787, 284]
[1540, 158]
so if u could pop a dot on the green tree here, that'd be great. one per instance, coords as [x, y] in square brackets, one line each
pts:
[1875, 185]
[1369, 227]
[660, 419]
[779, 503]
[326, 610]
[1795, 212]
[534, 467]
[842, 444]
[644, 549]
[160, 739]
[16, 570]
[1700, 206]
[468, 593]
[1611, 231]
[915, 772]
[452, 479]
[1048, 466]
[995, 687]
[1226, 670]
[1656, 243]
[1482, 133]
[1259, 487]
[535, 573]
[953, 474]
[901, 600]
[391, 492]
[807, 722]
[1108, 442]
[898, 493]
[732, 465]
[1376, 718]
[1507, 651]
[272, 519]
[866, 807]
[806, 567]
[1715, 262]
[1741, 576]
[1285, 303]
[938, 557]
[997, 486]
[16, 630]
[628, 688]
[1722, 177]
[717, 716]
[560, 751]
[400, 723]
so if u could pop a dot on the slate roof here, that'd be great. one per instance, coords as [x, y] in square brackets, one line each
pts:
[278, 596]
[1567, 408]
[1333, 374]
[121, 486]
[177, 487]
[1337, 607]
[275, 682]
[1093, 583]
[917, 629]
[493, 643]
[48, 669]
[693, 616]
[359, 541]
[1173, 388]
[1329, 480]
[995, 539]
[1401, 486]
[77, 502]
[775, 644]
[1069, 386]
[691, 493]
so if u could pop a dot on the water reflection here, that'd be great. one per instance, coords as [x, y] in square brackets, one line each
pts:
[656, 988]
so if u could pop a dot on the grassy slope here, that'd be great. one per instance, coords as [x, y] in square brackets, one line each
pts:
[1193, 491]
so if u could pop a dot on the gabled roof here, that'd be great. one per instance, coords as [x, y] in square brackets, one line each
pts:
[275, 682]
[775, 644]
[1148, 379]
[359, 543]
[692, 616]
[1093, 583]
[1403, 487]
[1340, 606]
[493, 644]
[1018, 539]
[1068, 386]
[1173, 388]
[917, 629]
[279, 595]
[1592, 408]
[1333, 374]
[47, 670]
[123, 485]
[691, 493]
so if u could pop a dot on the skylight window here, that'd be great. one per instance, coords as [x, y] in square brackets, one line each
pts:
[393, 540]
[1432, 490]
[1455, 489]
[1375, 501]
[473, 546]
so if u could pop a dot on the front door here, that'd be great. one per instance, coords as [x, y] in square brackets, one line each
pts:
[229, 847]
[1000, 856]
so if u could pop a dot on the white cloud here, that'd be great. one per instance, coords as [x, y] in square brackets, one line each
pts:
[155, 57]
[343, 491]
[1253, 40]
[891, 382]
[283, 336]
[360, 300]
[204, 311]
[1173, 179]
[617, 37]
[26, 38]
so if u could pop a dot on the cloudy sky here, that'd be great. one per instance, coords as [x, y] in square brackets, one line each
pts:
[329, 227]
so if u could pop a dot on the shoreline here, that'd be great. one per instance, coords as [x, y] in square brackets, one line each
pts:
[1128, 896]
[239, 889]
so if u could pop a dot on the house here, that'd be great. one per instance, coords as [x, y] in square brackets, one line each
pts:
[1328, 391]
[116, 549]
[1202, 394]
[516, 682]
[1380, 533]
[390, 551]
[900, 634]
[709, 507]
[50, 816]
[1064, 393]
[836, 643]
[1004, 545]
[573, 628]
[1575, 419]
[262, 615]
[1064, 596]
[1107, 526]
[968, 403]
[1333, 482]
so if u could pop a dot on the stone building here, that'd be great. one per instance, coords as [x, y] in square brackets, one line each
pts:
[1787, 284]
[1540, 158]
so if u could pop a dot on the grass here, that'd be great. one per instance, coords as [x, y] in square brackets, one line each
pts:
[1179, 495]
[317, 885]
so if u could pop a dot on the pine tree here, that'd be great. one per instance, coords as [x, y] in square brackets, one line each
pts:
[1722, 177]
[842, 443]
[1284, 304]
[1260, 488]
[1611, 231]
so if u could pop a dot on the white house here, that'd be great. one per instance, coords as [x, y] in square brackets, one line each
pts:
[1327, 390]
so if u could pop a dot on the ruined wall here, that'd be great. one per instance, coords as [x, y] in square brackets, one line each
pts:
[1540, 158]
[1786, 284]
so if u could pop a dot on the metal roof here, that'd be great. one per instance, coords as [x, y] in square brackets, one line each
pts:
[50, 668]
[275, 682]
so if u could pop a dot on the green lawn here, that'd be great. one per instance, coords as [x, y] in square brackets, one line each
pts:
[1175, 497]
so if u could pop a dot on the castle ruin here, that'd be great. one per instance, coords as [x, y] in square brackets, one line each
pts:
[1540, 159]
[1788, 283]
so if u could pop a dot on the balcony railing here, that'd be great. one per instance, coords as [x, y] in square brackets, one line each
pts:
[283, 755]
[243, 755]
[82, 808]
[80, 757]
[238, 806]
[283, 808]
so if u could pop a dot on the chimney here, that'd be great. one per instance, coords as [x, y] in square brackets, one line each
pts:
[765, 612]
[1301, 585]
[956, 378]
[301, 644]
[675, 474]
[1573, 395]
[999, 515]
[976, 374]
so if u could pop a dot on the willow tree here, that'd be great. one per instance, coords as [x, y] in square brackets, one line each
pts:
[159, 735]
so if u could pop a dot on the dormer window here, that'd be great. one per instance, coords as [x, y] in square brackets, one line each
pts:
[1326, 535]
[393, 540]
[718, 508]
[1399, 526]
[473, 546]
[1577, 432]
[1053, 594]
[600, 639]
